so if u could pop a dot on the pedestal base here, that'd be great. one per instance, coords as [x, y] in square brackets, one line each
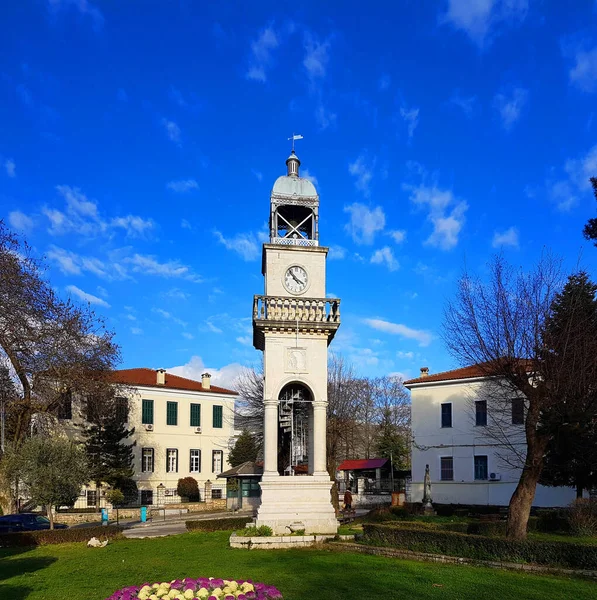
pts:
[300, 502]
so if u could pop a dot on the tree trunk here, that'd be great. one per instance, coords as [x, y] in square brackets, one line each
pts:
[579, 489]
[50, 515]
[521, 502]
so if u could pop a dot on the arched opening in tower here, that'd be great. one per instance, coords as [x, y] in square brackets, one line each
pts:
[295, 427]
[295, 222]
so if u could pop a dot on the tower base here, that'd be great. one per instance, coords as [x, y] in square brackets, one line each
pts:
[300, 502]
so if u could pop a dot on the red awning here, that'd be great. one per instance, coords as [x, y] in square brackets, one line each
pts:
[362, 464]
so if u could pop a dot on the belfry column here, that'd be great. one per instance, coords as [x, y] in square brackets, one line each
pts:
[270, 439]
[319, 437]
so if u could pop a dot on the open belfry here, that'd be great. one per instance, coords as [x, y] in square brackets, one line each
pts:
[294, 323]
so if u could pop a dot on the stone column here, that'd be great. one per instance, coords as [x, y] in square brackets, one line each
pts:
[270, 439]
[319, 435]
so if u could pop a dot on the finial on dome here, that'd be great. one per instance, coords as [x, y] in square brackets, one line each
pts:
[293, 163]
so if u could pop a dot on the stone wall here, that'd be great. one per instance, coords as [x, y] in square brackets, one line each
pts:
[134, 513]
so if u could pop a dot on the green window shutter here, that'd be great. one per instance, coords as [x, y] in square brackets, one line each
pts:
[195, 415]
[172, 413]
[147, 412]
[218, 417]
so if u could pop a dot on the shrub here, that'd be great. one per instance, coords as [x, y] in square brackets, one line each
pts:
[115, 497]
[575, 556]
[218, 524]
[128, 487]
[262, 531]
[188, 488]
[58, 536]
[552, 520]
[582, 516]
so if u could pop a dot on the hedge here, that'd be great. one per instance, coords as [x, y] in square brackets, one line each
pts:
[218, 524]
[58, 536]
[563, 554]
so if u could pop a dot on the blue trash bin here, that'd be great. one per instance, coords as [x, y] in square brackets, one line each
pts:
[143, 514]
[104, 516]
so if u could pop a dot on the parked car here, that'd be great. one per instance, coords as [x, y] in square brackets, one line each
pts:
[26, 522]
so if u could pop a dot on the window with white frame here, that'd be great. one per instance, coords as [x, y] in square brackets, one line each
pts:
[147, 460]
[195, 461]
[171, 460]
[481, 468]
[446, 472]
[217, 457]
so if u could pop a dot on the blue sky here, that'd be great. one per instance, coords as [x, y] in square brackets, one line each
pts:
[140, 141]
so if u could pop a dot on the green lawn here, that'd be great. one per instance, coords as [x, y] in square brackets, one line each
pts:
[74, 572]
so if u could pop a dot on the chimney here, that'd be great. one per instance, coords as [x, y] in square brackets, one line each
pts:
[424, 372]
[161, 376]
[206, 381]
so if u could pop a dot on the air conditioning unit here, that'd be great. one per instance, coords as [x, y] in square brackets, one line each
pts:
[495, 477]
[197, 429]
[169, 492]
[148, 427]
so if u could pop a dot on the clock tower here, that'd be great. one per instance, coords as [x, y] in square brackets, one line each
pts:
[293, 324]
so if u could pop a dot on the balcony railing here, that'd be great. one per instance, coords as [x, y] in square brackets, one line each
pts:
[314, 310]
[289, 241]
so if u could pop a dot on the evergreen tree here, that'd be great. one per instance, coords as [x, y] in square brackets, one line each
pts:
[570, 340]
[245, 449]
[109, 454]
[590, 230]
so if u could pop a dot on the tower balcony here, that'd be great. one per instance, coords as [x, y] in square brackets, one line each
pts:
[319, 316]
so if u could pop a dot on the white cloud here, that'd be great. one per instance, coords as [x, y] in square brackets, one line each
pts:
[362, 170]
[258, 174]
[225, 376]
[336, 253]
[172, 130]
[385, 255]
[465, 103]
[71, 263]
[84, 7]
[364, 222]
[411, 118]
[244, 244]
[566, 193]
[398, 235]
[261, 54]
[325, 118]
[177, 294]
[584, 73]
[316, 57]
[384, 82]
[245, 340]
[169, 316]
[183, 185]
[480, 19]
[445, 212]
[149, 265]
[136, 331]
[133, 225]
[11, 167]
[73, 289]
[420, 335]
[510, 107]
[405, 355]
[20, 221]
[187, 335]
[306, 175]
[505, 238]
[185, 224]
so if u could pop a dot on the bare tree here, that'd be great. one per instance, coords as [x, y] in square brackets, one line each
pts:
[54, 348]
[249, 408]
[498, 325]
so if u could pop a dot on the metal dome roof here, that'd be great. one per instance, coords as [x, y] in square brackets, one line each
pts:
[294, 186]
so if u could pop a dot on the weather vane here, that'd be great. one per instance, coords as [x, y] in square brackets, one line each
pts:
[295, 136]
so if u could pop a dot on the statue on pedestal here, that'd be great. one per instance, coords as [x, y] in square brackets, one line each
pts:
[427, 506]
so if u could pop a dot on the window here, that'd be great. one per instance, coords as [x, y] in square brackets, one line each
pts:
[195, 415]
[171, 460]
[147, 460]
[216, 493]
[218, 417]
[147, 412]
[250, 488]
[481, 413]
[195, 461]
[446, 468]
[65, 408]
[217, 457]
[91, 497]
[480, 468]
[447, 415]
[172, 413]
[518, 411]
[122, 410]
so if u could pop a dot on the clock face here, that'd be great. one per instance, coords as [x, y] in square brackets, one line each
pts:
[295, 279]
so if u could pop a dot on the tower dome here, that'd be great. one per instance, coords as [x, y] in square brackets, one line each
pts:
[293, 163]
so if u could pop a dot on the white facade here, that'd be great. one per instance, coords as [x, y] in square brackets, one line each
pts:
[465, 463]
[178, 432]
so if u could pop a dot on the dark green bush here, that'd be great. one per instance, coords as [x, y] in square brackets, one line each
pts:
[58, 536]
[218, 524]
[575, 556]
[553, 520]
[188, 488]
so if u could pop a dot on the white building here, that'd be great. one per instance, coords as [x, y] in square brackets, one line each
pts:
[183, 428]
[451, 414]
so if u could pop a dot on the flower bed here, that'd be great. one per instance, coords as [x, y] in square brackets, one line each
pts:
[202, 588]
